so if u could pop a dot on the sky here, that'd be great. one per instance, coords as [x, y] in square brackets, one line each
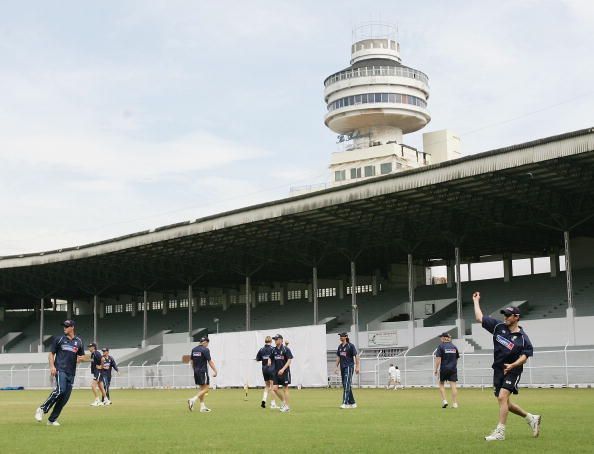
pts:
[121, 116]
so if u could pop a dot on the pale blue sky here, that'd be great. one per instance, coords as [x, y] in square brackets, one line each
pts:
[118, 116]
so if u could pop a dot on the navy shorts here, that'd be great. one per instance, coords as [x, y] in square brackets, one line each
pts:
[284, 379]
[96, 375]
[448, 375]
[507, 381]
[201, 378]
[268, 373]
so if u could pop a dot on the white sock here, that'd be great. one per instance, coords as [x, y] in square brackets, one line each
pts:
[265, 395]
[193, 399]
[273, 402]
[528, 417]
[501, 427]
[202, 405]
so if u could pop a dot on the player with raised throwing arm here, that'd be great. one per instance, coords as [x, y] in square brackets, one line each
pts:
[512, 348]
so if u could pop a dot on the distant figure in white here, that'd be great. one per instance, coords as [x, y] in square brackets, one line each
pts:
[394, 377]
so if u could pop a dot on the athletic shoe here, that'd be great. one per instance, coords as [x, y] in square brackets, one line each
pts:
[444, 404]
[205, 410]
[263, 404]
[285, 409]
[353, 406]
[496, 435]
[343, 406]
[190, 405]
[455, 406]
[53, 423]
[107, 402]
[273, 406]
[534, 424]
[97, 403]
[38, 414]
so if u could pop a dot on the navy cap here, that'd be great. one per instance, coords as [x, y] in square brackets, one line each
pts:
[511, 310]
[278, 336]
[68, 323]
[203, 339]
[445, 334]
[92, 344]
[343, 334]
[105, 349]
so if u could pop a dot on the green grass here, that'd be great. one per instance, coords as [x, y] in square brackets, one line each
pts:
[158, 421]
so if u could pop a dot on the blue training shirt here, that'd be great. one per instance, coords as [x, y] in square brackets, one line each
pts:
[67, 350]
[108, 364]
[280, 357]
[264, 354]
[200, 358]
[95, 361]
[346, 353]
[449, 356]
[508, 347]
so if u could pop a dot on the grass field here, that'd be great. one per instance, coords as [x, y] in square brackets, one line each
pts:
[386, 421]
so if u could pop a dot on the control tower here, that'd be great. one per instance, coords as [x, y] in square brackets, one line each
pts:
[372, 104]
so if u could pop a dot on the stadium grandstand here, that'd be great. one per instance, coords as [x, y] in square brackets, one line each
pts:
[352, 257]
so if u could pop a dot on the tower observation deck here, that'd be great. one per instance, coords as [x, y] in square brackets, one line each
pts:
[372, 104]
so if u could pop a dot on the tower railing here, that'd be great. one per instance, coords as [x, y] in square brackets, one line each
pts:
[372, 71]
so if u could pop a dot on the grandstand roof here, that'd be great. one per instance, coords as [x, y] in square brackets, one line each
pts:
[516, 199]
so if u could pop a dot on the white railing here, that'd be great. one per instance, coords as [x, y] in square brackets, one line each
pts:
[565, 367]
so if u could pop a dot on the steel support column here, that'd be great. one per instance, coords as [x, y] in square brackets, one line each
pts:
[411, 300]
[190, 304]
[248, 292]
[459, 317]
[41, 322]
[95, 316]
[354, 307]
[144, 317]
[569, 280]
[315, 294]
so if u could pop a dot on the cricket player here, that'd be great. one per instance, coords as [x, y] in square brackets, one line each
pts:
[446, 368]
[512, 348]
[282, 359]
[107, 364]
[347, 359]
[66, 352]
[96, 385]
[265, 357]
[200, 358]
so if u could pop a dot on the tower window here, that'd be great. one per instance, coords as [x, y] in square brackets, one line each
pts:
[386, 168]
[369, 171]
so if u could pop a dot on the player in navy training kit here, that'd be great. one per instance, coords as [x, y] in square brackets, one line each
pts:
[348, 360]
[282, 358]
[65, 353]
[200, 358]
[265, 357]
[95, 358]
[512, 348]
[107, 363]
[446, 364]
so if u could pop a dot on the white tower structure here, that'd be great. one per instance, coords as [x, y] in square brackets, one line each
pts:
[371, 104]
